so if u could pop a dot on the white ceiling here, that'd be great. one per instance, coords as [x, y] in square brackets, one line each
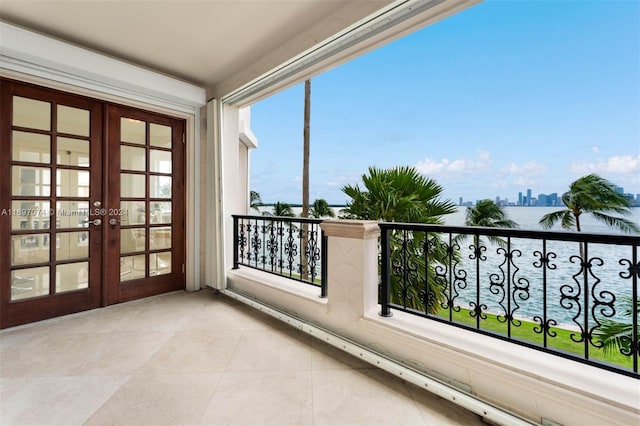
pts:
[208, 43]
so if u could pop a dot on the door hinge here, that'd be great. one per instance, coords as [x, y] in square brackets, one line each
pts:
[183, 268]
[184, 137]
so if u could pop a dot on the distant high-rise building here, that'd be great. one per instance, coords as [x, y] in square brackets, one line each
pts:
[528, 197]
[520, 198]
[549, 200]
[460, 201]
[542, 200]
[619, 190]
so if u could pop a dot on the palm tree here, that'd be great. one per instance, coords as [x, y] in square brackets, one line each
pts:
[320, 208]
[596, 196]
[306, 147]
[282, 209]
[305, 172]
[255, 201]
[617, 334]
[401, 194]
[491, 215]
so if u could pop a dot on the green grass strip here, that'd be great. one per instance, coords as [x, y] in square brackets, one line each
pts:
[561, 342]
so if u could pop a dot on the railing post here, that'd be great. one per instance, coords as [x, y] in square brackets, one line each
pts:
[385, 255]
[235, 242]
[324, 241]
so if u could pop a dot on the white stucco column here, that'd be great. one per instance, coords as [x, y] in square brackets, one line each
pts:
[352, 277]
[226, 188]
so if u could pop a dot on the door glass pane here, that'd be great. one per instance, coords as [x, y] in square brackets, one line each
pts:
[31, 147]
[34, 181]
[160, 186]
[31, 282]
[160, 161]
[160, 238]
[132, 186]
[132, 213]
[72, 276]
[74, 121]
[72, 245]
[132, 158]
[72, 214]
[132, 267]
[72, 183]
[30, 214]
[160, 263]
[132, 240]
[160, 212]
[160, 136]
[31, 113]
[73, 152]
[133, 131]
[33, 248]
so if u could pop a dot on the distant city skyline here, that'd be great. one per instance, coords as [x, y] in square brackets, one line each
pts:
[501, 97]
[541, 200]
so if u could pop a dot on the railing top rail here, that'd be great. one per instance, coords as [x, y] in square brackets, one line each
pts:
[279, 218]
[517, 233]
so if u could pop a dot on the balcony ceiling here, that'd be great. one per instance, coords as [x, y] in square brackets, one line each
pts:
[202, 42]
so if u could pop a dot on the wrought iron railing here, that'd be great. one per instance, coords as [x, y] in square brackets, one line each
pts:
[570, 294]
[293, 247]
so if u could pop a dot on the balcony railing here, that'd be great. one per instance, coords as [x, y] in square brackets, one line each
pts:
[291, 247]
[553, 291]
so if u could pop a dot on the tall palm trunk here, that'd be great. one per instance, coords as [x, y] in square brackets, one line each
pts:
[305, 154]
[577, 216]
[305, 177]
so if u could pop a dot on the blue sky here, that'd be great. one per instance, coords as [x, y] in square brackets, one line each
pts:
[504, 96]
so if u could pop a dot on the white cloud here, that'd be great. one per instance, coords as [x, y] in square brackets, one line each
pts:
[530, 168]
[458, 166]
[431, 167]
[621, 164]
[595, 149]
[341, 180]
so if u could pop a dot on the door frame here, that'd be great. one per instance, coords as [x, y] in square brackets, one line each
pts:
[190, 271]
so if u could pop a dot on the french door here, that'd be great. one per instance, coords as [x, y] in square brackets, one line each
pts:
[91, 203]
[145, 219]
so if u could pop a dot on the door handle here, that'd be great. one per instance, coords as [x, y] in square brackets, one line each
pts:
[96, 222]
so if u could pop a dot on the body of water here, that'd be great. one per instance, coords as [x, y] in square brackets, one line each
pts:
[525, 217]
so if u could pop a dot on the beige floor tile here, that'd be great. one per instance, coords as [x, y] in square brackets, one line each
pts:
[102, 320]
[362, 397]
[155, 319]
[99, 354]
[272, 350]
[262, 398]
[54, 401]
[223, 313]
[119, 353]
[40, 356]
[194, 351]
[169, 399]
[439, 412]
[181, 301]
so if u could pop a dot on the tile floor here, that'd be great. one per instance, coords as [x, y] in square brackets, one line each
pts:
[196, 358]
